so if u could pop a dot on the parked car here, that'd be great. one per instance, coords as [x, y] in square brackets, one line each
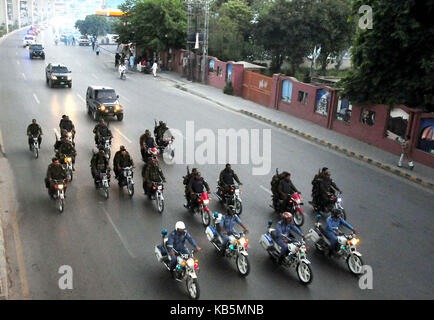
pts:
[36, 51]
[28, 40]
[58, 74]
[103, 102]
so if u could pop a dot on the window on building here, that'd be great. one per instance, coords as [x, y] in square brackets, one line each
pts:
[397, 124]
[367, 117]
[286, 91]
[219, 71]
[343, 111]
[302, 97]
[322, 101]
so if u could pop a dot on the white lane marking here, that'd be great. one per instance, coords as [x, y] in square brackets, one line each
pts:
[56, 132]
[119, 234]
[24, 76]
[94, 76]
[81, 98]
[18, 62]
[36, 98]
[125, 98]
[119, 131]
[265, 189]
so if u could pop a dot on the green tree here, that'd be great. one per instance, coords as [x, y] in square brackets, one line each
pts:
[93, 25]
[283, 29]
[331, 30]
[156, 24]
[230, 30]
[393, 63]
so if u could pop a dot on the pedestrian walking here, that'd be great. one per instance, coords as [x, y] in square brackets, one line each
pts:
[93, 45]
[154, 68]
[117, 57]
[131, 62]
[97, 50]
[405, 153]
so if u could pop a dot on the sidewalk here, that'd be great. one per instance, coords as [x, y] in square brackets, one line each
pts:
[421, 174]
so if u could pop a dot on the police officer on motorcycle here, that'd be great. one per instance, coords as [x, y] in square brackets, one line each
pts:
[176, 241]
[227, 177]
[99, 164]
[226, 227]
[34, 129]
[196, 186]
[284, 228]
[286, 188]
[332, 225]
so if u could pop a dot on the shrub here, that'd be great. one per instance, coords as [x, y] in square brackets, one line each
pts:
[228, 89]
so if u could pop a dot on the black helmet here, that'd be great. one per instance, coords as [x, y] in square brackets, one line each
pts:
[122, 148]
[231, 209]
[336, 212]
[53, 159]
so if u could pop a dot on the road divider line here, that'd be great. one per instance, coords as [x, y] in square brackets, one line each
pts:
[81, 98]
[94, 75]
[24, 76]
[265, 189]
[125, 244]
[36, 98]
[126, 138]
[18, 62]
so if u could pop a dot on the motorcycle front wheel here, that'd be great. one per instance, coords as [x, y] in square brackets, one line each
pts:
[160, 205]
[298, 218]
[130, 190]
[355, 264]
[193, 288]
[60, 205]
[205, 218]
[243, 265]
[304, 273]
[36, 153]
[106, 193]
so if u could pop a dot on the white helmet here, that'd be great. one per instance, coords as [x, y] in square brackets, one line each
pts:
[179, 225]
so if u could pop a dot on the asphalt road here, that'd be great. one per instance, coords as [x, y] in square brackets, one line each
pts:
[110, 244]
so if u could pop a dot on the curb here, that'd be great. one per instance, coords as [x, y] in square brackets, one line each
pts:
[342, 150]
[3, 272]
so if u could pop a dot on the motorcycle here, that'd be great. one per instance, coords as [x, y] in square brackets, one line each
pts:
[35, 146]
[157, 194]
[67, 164]
[232, 198]
[104, 183]
[126, 179]
[122, 75]
[151, 152]
[236, 247]
[335, 202]
[200, 206]
[185, 269]
[347, 247]
[296, 257]
[56, 42]
[106, 143]
[59, 195]
[294, 206]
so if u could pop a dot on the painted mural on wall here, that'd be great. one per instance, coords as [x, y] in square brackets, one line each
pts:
[426, 135]
[322, 101]
[287, 91]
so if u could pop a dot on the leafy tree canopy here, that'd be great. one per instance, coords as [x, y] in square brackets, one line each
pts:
[393, 63]
[93, 25]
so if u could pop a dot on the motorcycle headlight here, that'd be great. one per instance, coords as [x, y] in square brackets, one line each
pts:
[339, 200]
[205, 201]
[53, 78]
[69, 159]
[353, 241]
[190, 262]
[69, 134]
[60, 186]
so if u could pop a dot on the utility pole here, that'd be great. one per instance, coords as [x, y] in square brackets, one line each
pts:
[205, 42]
[5, 6]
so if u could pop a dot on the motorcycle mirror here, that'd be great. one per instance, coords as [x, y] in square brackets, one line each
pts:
[318, 217]
[216, 214]
[270, 222]
[164, 232]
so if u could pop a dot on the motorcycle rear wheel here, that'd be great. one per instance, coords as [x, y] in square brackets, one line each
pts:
[193, 288]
